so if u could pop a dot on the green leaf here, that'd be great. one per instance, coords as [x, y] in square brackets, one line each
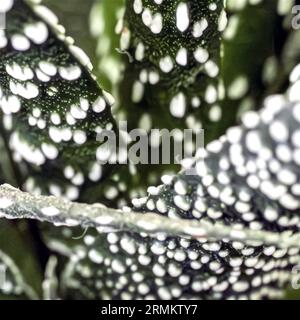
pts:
[104, 19]
[152, 97]
[243, 185]
[174, 50]
[75, 17]
[227, 228]
[20, 276]
[51, 106]
[244, 57]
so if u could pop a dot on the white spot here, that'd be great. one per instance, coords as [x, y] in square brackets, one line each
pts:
[153, 77]
[79, 137]
[182, 16]
[181, 57]
[19, 73]
[42, 76]
[70, 73]
[166, 64]
[10, 105]
[50, 211]
[250, 119]
[147, 17]
[118, 267]
[201, 55]
[55, 134]
[211, 94]
[238, 88]
[48, 68]
[199, 27]
[125, 39]
[278, 131]
[37, 32]
[3, 39]
[20, 42]
[49, 151]
[211, 68]
[140, 52]
[222, 23]
[137, 92]
[240, 286]
[95, 172]
[270, 214]
[77, 112]
[95, 256]
[128, 246]
[138, 6]
[99, 105]
[157, 23]
[178, 105]
[46, 14]
[158, 270]
[5, 203]
[81, 56]
[295, 74]
[55, 119]
[104, 220]
[6, 5]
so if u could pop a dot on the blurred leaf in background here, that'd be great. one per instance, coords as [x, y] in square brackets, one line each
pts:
[74, 15]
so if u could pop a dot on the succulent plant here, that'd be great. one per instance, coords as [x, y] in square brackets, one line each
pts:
[225, 226]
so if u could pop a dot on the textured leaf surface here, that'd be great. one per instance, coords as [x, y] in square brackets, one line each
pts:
[249, 186]
[174, 47]
[170, 69]
[51, 106]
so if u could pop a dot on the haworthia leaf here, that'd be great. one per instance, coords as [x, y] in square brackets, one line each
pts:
[174, 49]
[51, 106]
[126, 266]
[247, 186]
[244, 184]
[152, 97]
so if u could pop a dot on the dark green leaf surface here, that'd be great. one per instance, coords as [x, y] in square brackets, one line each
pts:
[51, 106]
[174, 53]
[171, 55]
[244, 184]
